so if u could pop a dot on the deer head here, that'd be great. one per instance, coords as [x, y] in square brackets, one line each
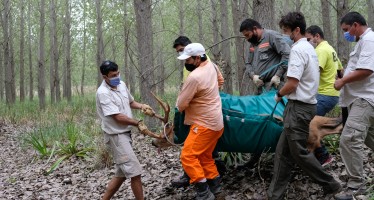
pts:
[166, 137]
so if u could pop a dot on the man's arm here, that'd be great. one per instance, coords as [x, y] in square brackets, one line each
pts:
[136, 105]
[357, 75]
[187, 93]
[282, 48]
[125, 120]
[289, 87]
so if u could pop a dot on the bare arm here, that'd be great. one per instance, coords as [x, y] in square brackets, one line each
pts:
[125, 120]
[135, 105]
[289, 87]
[357, 75]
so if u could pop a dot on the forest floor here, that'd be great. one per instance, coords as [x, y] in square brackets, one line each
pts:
[21, 175]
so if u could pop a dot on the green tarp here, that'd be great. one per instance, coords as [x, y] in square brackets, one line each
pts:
[249, 125]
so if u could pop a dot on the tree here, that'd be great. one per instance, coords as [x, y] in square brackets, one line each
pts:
[239, 9]
[370, 9]
[31, 80]
[54, 83]
[143, 13]
[225, 49]
[215, 49]
[67, 71]
[263, 12]
[22, 53]
[100, 42]
[84, 46]
[41, 58]
[342, 7]
[326, 20]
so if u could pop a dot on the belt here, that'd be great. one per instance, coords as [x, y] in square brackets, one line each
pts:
[299, 102]
[118, 133]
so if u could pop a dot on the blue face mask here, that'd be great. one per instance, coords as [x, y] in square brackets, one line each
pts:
[115, 81]
[349, 37]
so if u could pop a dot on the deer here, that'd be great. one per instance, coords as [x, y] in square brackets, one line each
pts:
[319, 128]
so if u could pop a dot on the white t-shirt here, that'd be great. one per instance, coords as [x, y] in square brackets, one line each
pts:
[110, 102]
[362, 57]
[303, 65]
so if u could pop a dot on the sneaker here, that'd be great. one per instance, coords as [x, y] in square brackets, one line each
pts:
[182, 181]
[349, 193]
[215, 185]
[328, 161]
[203, 192]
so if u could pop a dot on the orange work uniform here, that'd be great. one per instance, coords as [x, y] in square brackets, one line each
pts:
[200, 100]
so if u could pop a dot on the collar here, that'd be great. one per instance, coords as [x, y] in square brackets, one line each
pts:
[322, 43]
[106, 85]
[367, 30]
[301, 39]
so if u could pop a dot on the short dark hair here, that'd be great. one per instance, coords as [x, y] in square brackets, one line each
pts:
[314, 29]
[248, 24]
[108, 66]
[353, 17]
[181, 40]
[293, 20]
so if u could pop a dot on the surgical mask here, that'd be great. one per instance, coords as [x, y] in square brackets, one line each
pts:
[349, 37]
[190, 67]
[115, 81]
[180, 53]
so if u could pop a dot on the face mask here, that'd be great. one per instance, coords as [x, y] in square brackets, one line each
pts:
[312, 43]
[180, 53]
[115, 81]
[349, 37]
[190, 67]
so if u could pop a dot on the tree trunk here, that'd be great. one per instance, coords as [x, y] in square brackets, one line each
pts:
[298, 4]
[128, 69]
[200, 22]
[67, 80]
[215, 49]
[264, 13]
[342, 44]
[237, 18]
[370, 7]
[181, 32]
[22, 54]
[84, 47]
[2, 71]
[53, 53]
[143, 13]
[225, 49]
[41, 59]
[100, 42]
[326, 21]
[31, 78]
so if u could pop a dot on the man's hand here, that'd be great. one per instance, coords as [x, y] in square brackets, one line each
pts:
[277, 98]
[258, 82]
[275, 80]
[146, 109]
[339, 83]
[142, 127]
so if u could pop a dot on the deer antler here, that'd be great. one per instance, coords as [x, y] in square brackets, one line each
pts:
[165, 107]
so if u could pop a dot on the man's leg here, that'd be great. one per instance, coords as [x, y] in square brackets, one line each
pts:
[113, 187]
[137, 188]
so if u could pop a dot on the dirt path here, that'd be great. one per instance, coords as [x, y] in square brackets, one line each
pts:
[21, 176]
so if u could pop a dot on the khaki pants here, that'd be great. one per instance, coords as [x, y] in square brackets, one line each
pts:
[358, 130]
[196, 155]
[292, 148]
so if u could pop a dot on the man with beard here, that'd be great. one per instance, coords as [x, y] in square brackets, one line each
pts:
[266, 64]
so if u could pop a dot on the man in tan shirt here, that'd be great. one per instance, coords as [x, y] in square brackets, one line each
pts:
[200, 100]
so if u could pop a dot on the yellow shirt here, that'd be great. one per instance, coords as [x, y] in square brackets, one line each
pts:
[186, 72]
[329, 63]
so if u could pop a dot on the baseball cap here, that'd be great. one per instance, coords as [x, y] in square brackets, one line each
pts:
[193, 49]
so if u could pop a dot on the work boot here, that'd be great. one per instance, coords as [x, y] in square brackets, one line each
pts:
[182, 181]
[215, 185]
[349, 193]
[203, 192]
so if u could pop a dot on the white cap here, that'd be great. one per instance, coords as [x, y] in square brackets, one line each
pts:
[193, 49]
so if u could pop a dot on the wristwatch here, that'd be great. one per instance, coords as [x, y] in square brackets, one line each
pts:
[279, 95]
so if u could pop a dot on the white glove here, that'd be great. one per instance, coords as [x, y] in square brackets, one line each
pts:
[258, 82]
[275, 81]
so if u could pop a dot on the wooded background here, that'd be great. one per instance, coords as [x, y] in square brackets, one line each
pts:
[51, 49]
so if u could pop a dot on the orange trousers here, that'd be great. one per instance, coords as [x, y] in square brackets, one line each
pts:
[196, 155]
